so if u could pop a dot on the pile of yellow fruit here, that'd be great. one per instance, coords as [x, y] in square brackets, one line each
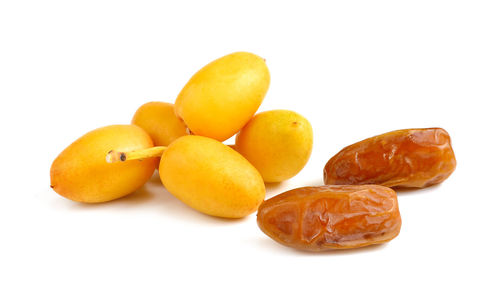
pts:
[184, 141]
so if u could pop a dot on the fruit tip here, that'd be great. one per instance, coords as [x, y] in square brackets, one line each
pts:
[114, 156]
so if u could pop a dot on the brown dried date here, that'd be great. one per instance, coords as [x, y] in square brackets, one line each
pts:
[331, 217]
[403, 158]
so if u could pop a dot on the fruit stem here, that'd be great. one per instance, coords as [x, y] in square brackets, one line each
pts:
[152, 152]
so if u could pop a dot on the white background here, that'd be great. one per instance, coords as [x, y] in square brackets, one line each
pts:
[354, 68]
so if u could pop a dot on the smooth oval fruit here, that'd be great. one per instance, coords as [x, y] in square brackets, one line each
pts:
[405, 158]
[81, 172]
[211, 177]
[331, 217]
[222, 97]
[277, 142]
[159, 120]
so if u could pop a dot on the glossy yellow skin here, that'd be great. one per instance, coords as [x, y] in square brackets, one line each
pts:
[158, 119]
[81, 173]
[211, 177]
[222, 97]
[277, 142]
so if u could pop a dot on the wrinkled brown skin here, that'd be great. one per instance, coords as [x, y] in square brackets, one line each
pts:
[414, 158]
[331, 217]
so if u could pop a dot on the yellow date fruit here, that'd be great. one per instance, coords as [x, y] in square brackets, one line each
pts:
[277, 142]
[331, 217]
[81, 173]
[158, 119]
[211, 177]
[222, 97]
